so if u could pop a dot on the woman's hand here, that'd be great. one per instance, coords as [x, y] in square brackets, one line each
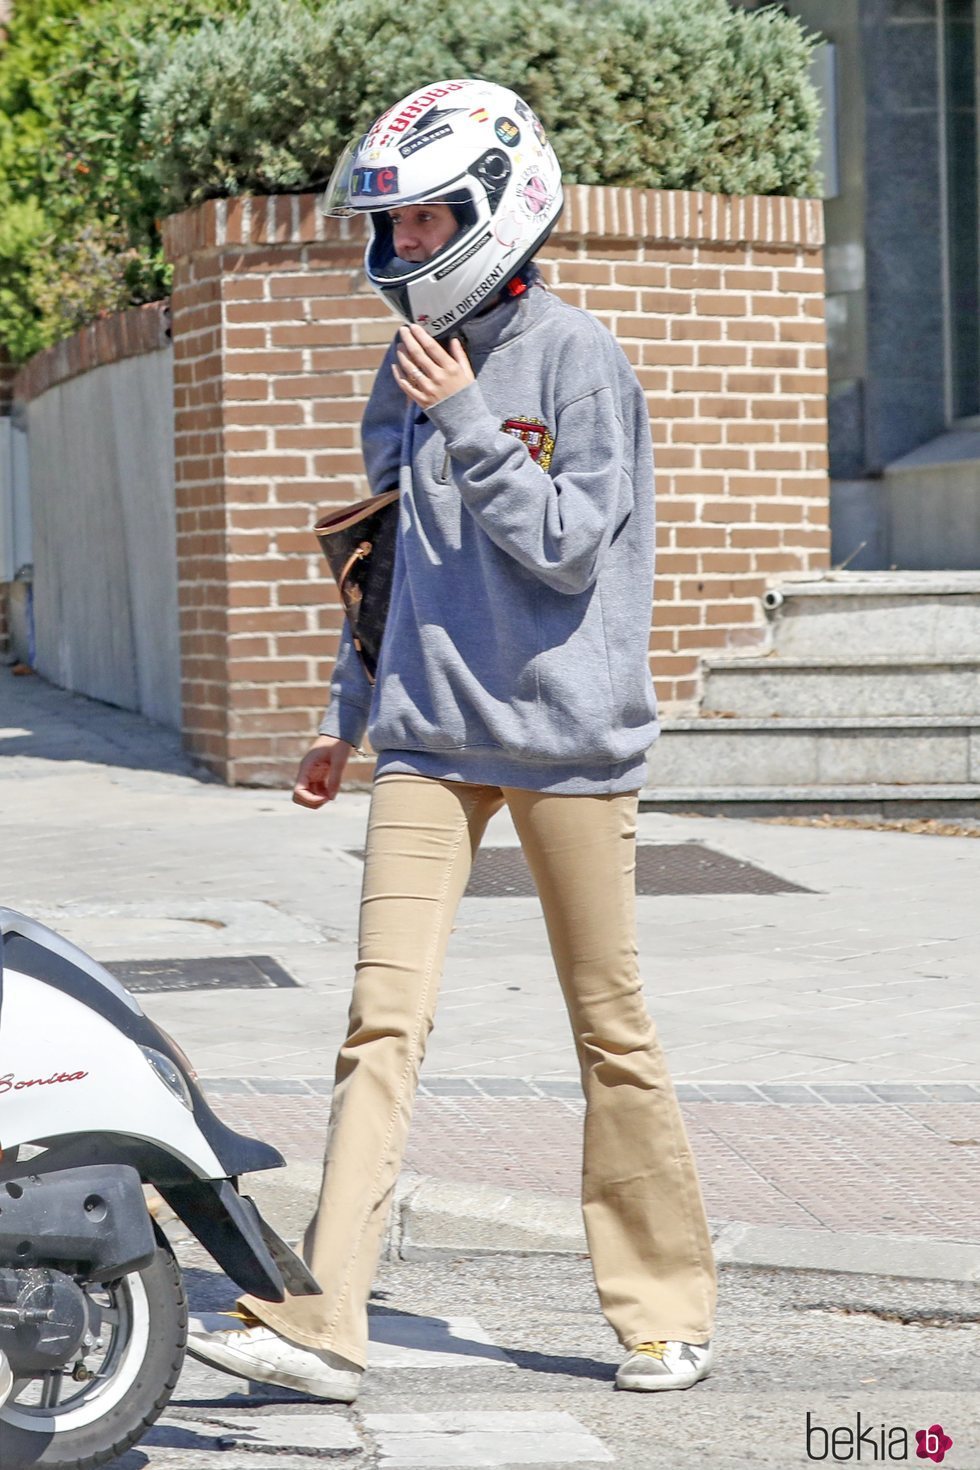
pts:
[426, 372]
[321, 771]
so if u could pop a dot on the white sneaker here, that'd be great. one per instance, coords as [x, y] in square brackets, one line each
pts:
[654, 1366]
[261, 1355]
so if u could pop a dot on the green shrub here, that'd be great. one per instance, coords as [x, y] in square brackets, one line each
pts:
[78, 207]
[681, 94]
[25, 240]
[116, 112]
[713, 98]
[94, 272]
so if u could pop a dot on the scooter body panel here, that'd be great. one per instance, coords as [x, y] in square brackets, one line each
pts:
[66, 1070]
[111, 1102]
[72, 985]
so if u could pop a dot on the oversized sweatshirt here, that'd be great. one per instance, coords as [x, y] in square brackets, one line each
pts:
[515, 651]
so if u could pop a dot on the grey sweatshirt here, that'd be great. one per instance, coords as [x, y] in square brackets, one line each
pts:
[515, 652]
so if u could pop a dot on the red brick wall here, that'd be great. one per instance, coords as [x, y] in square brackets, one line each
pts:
[717, 302]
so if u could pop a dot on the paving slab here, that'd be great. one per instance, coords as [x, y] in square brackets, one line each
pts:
[862, 978]
[461, 1439]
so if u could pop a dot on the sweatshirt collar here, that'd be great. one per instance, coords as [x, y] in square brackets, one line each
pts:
[503, 323]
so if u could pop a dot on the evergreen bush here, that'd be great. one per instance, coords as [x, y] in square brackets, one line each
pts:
[116, 112]
[78, 208]
[677, 94]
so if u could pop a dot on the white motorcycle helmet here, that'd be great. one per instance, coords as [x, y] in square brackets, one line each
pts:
[470, 144]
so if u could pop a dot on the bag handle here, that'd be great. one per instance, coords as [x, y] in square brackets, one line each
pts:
[357, 554]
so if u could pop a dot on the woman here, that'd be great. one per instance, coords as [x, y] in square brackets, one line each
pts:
[513, 671]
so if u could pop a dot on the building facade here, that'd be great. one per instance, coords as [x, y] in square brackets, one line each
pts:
[899, 84]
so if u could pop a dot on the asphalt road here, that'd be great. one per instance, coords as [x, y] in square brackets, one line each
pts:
[507, 1362]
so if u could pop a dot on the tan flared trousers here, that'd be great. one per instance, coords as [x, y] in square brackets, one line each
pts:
[644, 1217]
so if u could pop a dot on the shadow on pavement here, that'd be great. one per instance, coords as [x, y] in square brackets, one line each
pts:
[213, 1292]
[41, 722]
[561, 1367]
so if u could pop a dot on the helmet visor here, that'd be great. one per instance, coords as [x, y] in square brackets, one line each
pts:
[337, 195]
[357, 188]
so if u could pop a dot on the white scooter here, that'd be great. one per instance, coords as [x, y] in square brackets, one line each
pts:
[95, 1101]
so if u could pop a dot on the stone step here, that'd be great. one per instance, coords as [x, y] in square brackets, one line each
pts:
[795, 752]
[764, 687]
[949, 802]
[896, 615]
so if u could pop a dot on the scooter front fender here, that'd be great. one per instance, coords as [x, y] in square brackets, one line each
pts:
[244, 1245]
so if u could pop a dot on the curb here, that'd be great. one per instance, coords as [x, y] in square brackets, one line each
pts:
[845, 1253]
[433, 1218]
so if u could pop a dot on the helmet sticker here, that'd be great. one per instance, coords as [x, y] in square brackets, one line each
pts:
[507, 131]
[374, 182]
[508, 229]
[429, 128]
[457, 260]
[423, 140]
[480, 114]
[394, 124]
[533, 193]
[524, 112]
[534, 433]
[439, 324]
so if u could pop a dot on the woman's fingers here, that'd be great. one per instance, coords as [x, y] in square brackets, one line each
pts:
[412, 351]
[424, 347]
[411, 382]
[428, 376]
[413, 369]
[410, 389]
[311, 788]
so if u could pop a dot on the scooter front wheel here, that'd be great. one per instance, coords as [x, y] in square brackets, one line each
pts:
[93, 1410]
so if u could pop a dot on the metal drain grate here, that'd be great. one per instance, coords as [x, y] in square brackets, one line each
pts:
[661, 869]
[229, 972]
[689, 867]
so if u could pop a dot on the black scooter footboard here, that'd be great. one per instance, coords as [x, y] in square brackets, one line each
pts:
[246, 1248]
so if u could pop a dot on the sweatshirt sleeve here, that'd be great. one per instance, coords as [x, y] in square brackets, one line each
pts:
[382, 426]
[347, 713]
[558, 524]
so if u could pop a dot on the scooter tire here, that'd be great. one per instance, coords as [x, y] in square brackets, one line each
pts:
[154, 1379]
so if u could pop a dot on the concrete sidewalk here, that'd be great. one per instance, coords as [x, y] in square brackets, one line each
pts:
[823, 1039]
